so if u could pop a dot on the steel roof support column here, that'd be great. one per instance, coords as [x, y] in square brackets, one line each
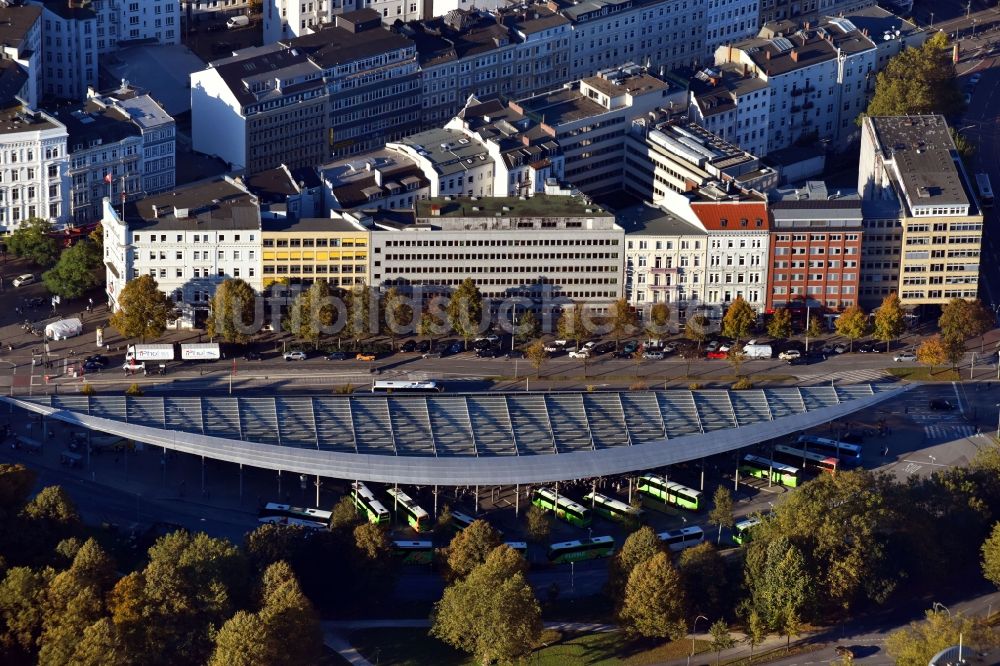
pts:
[468, 422]
[548, 424]
[701, 425]
[586, 419]
[430, 431]
[392, 431]
[732, 409]
[513, 437]
[767, 403]
[621, 407]
[659, 414]
[350, 413]
[312, 413]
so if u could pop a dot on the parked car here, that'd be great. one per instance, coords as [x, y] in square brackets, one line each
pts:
[489, 337]
[252, 355]
[337, 356]
[904, 357]
[455, 348]
[366, 356]
[939, 405]
[631, 347]
[22, 280]
[712, 346]
[790, 355]
[555, 346]
[670, 348]
[840, 349]
[297, 355]
[481, 343]
[653, 355]
[716, 354]
[515, 353]
[580, 353]
[98, 360]
[604, 347]
[488, 352]
[424, 346]
[408, 346]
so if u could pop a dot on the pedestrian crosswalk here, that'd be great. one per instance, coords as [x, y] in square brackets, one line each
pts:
[943, 432]
[846, 376]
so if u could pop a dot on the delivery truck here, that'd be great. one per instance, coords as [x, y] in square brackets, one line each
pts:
[136, 356]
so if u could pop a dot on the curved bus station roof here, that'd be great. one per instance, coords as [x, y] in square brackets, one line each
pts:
[468, 438]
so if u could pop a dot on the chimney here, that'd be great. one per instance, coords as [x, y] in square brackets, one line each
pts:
[806, 25]
[745, 68]
[767, 55]
[729, 58]
[435, 210]
[156, 211]
[795, 55]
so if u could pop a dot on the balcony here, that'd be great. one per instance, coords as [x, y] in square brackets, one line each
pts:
[663, 271]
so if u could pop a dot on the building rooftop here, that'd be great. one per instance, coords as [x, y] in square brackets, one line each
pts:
[12, 80]
[217, 204]
[16, 118]
[694, 144]
[273, 185]
[142, 109]
[15, 22]
[880, 23]
[90, 124]
[357, 180]
[538, 206]
[445, 39]
[783, 54]
[536, 18]
[749, 213]
[449, 151]
[311, 225]
[926, 161]
[337, 46]
[261, 67]
[65, 10]
[814, 192]
[648, 220]
[718, 89]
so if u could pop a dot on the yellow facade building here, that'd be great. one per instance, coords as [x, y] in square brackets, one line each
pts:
[308, 249]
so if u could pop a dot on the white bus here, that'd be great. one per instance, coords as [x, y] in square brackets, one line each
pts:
[847, 453]
[414, 552]
[613, 509]
[686, 537]
[293, 522]
[518, 546]
[985, 190]
[401, 386]
[803, 458]
[315, 515]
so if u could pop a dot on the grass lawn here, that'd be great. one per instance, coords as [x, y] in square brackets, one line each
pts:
[922, 374]
[413, 647]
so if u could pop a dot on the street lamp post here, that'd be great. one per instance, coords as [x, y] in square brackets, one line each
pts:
[694, 630]
[973, 28]
[932, 20]
[998, 416]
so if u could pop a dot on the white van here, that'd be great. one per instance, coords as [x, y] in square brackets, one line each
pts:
[758, 351]
[237, 22]
[22, 280]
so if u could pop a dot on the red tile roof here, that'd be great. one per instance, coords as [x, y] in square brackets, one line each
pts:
[713, 213]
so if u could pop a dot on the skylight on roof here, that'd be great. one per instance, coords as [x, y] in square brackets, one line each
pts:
[782, 44]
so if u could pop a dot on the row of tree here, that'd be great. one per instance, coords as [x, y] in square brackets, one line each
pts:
[71, 272]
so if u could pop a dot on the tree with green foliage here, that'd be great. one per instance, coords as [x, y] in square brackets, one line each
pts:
[470, 548]
[286, 612]
[777, 577]
[372, 543]
[890, 320]
[756, 631]
[852, 324]
[75, 272]
[312, 314]
[622, 320]
[739, 320]
[654, 605]
[244, 641]
[143, 310]
[527, 327]
[814, 328]
[961, 319]
[492, 613]
[538, 523]
[696, 329]
[791, 624]
[721, 638]
[16, 484]
[47, 519]
[722, 510]
[233, 312]
[658, 320]
[465, 310]
[735, 357]
[537, 355]
[916, 644]
[780, 326]
[33, 240]
[345, 514]
[991, 556]
[918, 81]
[22, 597]
[398, 314]
[99, 645]
[638, 547]
[272, 542]
[570, 324]
[703, 572]
[362, 312]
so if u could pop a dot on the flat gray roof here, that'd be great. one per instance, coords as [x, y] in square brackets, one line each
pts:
[648, 220]
[464, 439]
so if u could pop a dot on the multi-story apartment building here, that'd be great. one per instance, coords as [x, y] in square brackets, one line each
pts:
[816, 239]
[820, 79]
[881, 249]
[544, 250]
[729, 21]
[451, 162]
[378, 179]
[913, 160]
[69, 50]
[285, 193]
[665, 260]
[543, 52]
[890, 33]
[261, 108]
[21, 48]
[33, 167]
[806, 10]
[734, 104]
[200, 11]
[121, 135]
[124, 22]
[302, 251]
[190, 239]
[681, 156]
[372, 79]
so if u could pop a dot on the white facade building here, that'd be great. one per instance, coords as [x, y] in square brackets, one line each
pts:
[451, 162]
[190, 240]
[729, 21]
[21, 46]
[33, 167]
[120, 22]
[734, 104]
[69, 49]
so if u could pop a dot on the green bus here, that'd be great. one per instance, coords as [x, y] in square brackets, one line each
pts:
[761, 467]
[365, 501]
[414, 552]
[668, 492]
[564, 507]
[404, 505]
[583, 549]
[614, 509]
[743, 529]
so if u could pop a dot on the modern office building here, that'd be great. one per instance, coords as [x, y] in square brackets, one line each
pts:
[301, 251]
[545, 250]
[912, 160]
[816, 240]
[190, 240]
[33, 167]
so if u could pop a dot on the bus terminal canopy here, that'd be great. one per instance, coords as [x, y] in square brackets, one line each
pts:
[464, 439]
